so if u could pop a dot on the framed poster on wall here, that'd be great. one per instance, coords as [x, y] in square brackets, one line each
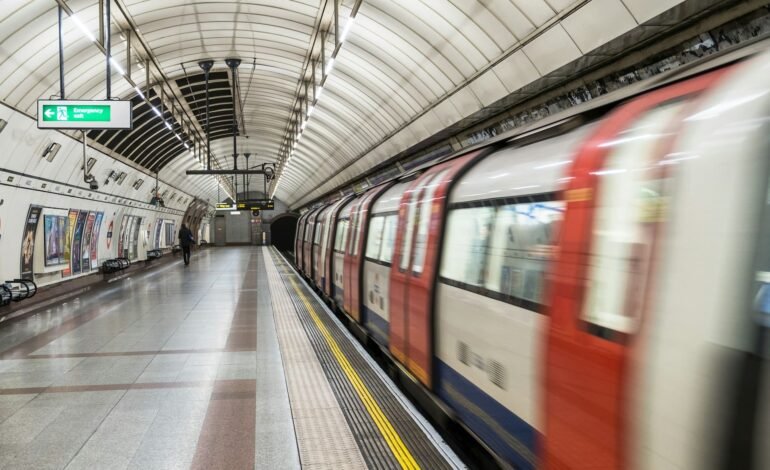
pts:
[28, 241]
[77, 240]
[85, 254]
[72, 219]
[95, 240]
[54, 228]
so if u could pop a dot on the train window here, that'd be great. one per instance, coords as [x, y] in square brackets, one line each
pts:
[466, 245]
[522, 243]
[355, 227]
[374, 242]
[426, 206]
[341, 235]
[317, 233]
[406, 247]
[628, 204]
[389, 238]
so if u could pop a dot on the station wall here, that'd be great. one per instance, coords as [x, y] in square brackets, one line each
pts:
[54, 181]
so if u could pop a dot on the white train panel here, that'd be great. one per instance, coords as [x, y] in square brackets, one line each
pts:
[376, 293]
[496, 349]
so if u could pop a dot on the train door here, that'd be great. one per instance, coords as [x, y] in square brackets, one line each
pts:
[354, 259]
[319, 247]
[324, 274]
[413, 272]
[338, 261]
[307, 243]
[298, 237]
[602, 278]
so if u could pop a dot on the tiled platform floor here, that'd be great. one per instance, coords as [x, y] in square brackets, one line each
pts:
[159, 371]
[179, 367]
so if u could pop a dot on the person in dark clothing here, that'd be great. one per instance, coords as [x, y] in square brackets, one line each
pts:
[186, 240]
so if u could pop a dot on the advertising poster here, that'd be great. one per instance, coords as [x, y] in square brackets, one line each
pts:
[122, 235]
[109, 235]
[85, 254]
[170, 234]
[53, 239]
[158, 227]
[28, 241]
[72, 220]
[76, 241]
[95, 240]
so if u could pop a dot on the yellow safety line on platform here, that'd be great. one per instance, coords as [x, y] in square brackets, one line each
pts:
[391, 436]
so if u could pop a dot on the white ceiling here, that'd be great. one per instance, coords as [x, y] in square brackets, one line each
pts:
[407, 69]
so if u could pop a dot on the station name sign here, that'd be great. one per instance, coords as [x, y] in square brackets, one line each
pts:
[69, 114]
[257, 205]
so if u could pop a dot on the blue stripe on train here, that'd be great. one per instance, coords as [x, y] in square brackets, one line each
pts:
[510, 436]
[377, 326]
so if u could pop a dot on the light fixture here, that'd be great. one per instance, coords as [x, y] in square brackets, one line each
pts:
[117, 66]
[51, 150]
[82, 27]
[329, 66]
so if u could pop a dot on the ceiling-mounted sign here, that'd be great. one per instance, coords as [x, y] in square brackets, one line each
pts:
[223, 206]
[68, 114]
[257, 204]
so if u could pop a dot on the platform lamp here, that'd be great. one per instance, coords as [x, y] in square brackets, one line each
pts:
[233, 64]
[206, 66]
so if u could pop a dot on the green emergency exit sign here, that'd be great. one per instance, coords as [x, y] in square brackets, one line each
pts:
[70, 114]
[76, 113]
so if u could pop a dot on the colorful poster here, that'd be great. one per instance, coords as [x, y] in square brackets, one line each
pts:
[77, 238]
[158, 227]
[95, 240]
[122, 235]
[53, 239]
[28, 241]
[170, 235]
[71, 222]
[85, 254]
[109, 234]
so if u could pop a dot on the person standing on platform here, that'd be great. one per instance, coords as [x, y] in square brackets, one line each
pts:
[185, 240]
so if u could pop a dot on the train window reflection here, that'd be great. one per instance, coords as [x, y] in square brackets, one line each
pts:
[426, 206]
[406, 247]
[522, 245]
[466, 245]
[341, 235]
[389, 238]
[629, 202]
[374, 242]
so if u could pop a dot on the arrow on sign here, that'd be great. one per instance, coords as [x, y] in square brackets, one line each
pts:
[48, 113]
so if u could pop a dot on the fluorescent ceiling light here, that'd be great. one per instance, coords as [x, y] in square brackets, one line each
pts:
[139, 92]
[329, 66]
[117, 66]
[83, 28]
[345, 31]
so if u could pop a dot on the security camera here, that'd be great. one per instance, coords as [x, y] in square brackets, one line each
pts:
[91, 182]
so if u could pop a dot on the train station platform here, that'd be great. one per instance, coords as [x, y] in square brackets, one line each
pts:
[231, 363]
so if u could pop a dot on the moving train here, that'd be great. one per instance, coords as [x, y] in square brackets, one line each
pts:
[588, 292]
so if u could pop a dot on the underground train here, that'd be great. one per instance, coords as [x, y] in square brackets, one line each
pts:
[590, 293]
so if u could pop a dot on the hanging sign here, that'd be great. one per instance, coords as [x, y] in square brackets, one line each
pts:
[68, 114]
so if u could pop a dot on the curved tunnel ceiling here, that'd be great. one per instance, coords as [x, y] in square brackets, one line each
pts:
[406, 69]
